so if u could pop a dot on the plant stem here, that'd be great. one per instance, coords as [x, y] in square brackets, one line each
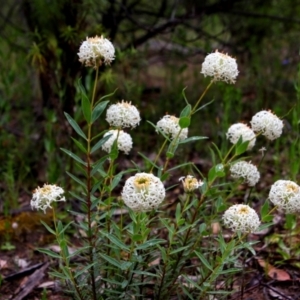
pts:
[89, 188]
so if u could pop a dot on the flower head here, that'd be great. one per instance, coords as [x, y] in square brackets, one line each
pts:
[169, 125]
[124, 141]
[220, 66]
[43, 196]
[238, 130]
[190, 183]
[245, 170]
[240, 217]
[123, 114]
[143, 192]
[96, 50]
[286, 195]
[268, 124]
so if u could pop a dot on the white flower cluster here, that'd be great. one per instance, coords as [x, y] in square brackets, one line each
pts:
[143, 192]
[190, 183]
[245, 170]
[43, 197]
[123, 114]
[242, 218]
[169, 125]
[268, 124]
[238, 130]
[286, 195]
[220, 66]
[96, 50]
[124, 141]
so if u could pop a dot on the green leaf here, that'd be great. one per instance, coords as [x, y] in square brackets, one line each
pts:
[148, 160]
[98, 110]
[264, 212]
[85, 103]
[114, 152]
[184, 96]
[74, 156]
[83, 270]
[215, 172]
[172, 148]
[184, 122]
[193, 139]
[179, 249]
[76, 179]
[106, 96]
[204, 260]
[203, 106]
[116, 180]
[100, 143]
[75, 126]
[98, 166]
[50, 253]
[241, 146]
[59, 275]
[79, 145]
[123, 265]
[118, 242]
[186, 112]
[150, 244]
[48, 228]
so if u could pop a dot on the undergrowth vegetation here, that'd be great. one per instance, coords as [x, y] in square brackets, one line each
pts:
[132, 243]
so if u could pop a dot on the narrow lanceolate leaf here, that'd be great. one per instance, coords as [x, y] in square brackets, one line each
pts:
[74, 156]
[48, 228]
[123, 265]
[79, 145]
[98, 110]
[75, 126]
[117, 242]
[100, 143]
[193, 139]
[50, 253]
[116, 180]
[76, 179]
[98, 166]
[86, 106]
[203, 260]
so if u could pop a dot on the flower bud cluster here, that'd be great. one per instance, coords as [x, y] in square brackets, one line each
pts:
[169, 125]
[220, 66]
[245, 170]
[43, 197]
[143, 192]
[242, 218]
[124, 141]
[285, 194]
[93, 51]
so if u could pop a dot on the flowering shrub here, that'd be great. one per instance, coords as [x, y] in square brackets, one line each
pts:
[133, 246]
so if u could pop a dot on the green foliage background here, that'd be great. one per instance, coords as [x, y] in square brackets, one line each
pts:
[160, 48]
